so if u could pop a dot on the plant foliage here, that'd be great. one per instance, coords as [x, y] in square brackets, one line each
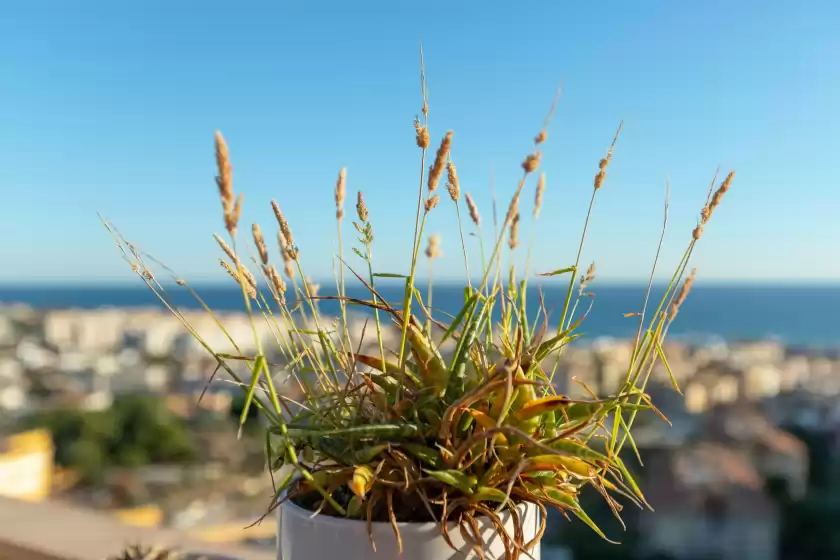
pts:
[417, 432]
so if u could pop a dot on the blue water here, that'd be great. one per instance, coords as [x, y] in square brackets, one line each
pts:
[796, 315]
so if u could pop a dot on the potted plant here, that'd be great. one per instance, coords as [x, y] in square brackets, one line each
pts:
[447, 440]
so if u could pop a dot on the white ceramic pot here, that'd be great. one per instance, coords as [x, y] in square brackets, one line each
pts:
[302, 536]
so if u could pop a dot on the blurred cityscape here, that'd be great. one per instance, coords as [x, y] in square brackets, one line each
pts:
[100, 416]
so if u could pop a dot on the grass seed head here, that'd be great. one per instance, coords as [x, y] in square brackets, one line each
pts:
[541, 137]
[538, 198]
[605, 162]
[452, 184]
[224, 179]
[312, 288]
[277, 282]
[513, 239]
[532, 162]
[433, 247]
[682, 295]
[697, 232]
[718, 196]
[225, 247]
[513, 209]
[288, 257]
[283, 223]
[259, 241]
[340, 193]
[431, 202]
[232, 221]
[436, 170]
[471, 206]
[423, 139]
[590, 274]
[361, 207]
[251, 290]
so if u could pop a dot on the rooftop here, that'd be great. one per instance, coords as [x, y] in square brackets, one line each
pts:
[55, 530]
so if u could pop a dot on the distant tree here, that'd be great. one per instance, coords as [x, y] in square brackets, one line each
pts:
[137, 430]
[89, 460]
[821, 463]
[809, 529]
[237, 406]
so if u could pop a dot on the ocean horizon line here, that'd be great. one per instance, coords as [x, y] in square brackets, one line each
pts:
[442, 283]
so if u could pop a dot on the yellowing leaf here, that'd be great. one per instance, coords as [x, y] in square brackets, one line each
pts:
[540, 406]
[487, 423]
[572, 464]
[430, 364]
[488, 494]
[362, 481]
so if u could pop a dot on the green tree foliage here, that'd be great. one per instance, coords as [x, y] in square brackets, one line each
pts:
[137, 430]
[808, 525]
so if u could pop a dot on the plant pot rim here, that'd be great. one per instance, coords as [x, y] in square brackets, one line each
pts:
[290, 508]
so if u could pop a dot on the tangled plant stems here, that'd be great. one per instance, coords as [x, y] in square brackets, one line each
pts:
[407, 434]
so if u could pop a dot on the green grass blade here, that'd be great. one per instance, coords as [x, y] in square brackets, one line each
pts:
[662, 357]
[559, 271]
[259, 363]
[463, 482]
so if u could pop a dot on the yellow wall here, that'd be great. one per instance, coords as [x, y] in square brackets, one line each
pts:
[26, 466]
[144, 516]
[236, 532]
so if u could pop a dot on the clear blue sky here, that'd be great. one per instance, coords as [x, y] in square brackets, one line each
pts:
[111, 107]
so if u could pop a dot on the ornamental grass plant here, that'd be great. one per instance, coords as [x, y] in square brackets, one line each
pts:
[412, 432]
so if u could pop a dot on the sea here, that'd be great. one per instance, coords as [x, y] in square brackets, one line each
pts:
[798, 316]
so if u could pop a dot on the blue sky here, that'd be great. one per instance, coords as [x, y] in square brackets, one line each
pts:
[111, 107]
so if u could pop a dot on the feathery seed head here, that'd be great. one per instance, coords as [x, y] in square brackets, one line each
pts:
[605, 162]
[452, 184]
[718, 196]
[513, 209]
[590, 273]
[599, 179]
[283, 223]
[678, 301]
[532, 162]
[340, 193]
[252, 282]
[259, 241]
[423, 139]
[587, 278]
[538, 198]
[431, 202]
[474, 215]
[277, 282]
[513, 240]
[228, 251]
[235, 275]
[311, 287]
[541, 137]
[698, 232]
[289, 269]
[232, 221]
[288, 256]
[433, 248]
[224, 179]
[361, 207]
[436, 170]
